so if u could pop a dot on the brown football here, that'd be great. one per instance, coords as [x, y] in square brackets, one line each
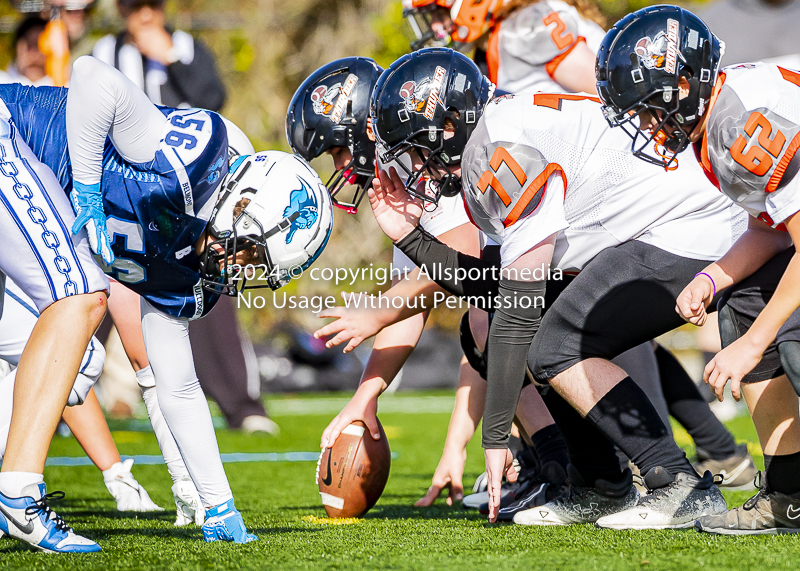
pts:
[352, 474]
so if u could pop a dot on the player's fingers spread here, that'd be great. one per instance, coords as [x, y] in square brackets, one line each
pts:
[429, 497]
[354, 342]
[340, 338]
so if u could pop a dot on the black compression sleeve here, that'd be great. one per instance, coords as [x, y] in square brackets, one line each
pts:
[451, 269]
[516, 320]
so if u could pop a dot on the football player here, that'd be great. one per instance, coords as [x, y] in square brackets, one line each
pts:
[329, 114]
[527, 45]
[158, 182]
[659, 76]
[545, 177]
[86, 421]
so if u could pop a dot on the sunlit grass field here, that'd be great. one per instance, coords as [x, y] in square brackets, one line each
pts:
[280, 503]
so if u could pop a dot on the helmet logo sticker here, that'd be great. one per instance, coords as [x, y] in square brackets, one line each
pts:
[661, 52]
[323, 98]
[304, 202]
[423, 97]
[433, 96]
[344, 97]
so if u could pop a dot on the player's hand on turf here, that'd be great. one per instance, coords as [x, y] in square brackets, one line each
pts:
[499, 463]
[396, 211]
[733, 362]
[87, 202]
[359, 408]
[448, 476]
[694, 299]
[354, 324]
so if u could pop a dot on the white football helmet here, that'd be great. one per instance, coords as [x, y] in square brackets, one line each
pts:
[288, 218]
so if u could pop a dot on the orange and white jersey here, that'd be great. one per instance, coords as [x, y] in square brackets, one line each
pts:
[749, 149]
[546, 164]
[526, 48]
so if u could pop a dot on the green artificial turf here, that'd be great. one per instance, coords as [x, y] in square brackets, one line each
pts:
[280, 503]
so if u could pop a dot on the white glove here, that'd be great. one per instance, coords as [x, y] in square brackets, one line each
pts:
[187, 502]
[130, 495]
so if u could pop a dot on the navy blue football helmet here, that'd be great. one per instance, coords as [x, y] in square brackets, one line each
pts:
[330, 109]
[640, 65]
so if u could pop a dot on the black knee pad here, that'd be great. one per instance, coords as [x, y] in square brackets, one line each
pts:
[790, 360]
[475, 357]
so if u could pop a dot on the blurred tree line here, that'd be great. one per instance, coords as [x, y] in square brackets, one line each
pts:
[265, 49]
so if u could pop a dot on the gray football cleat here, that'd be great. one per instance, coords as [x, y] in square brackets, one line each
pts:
[765, 513]
[737, 472]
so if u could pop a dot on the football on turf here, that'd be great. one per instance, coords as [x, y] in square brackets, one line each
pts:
[351, 475]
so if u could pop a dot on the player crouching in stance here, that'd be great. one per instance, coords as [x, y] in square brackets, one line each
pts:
[744, 124]
[545, 177]
[171, 218]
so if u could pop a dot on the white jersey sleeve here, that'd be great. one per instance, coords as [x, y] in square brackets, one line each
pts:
[752, 137]
[528, 46]
[104, 103]
[549, 163]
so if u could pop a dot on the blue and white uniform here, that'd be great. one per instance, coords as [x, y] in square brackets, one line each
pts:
[156, 210]
[39, 252]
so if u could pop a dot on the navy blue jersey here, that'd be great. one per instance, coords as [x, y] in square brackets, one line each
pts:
[157, 210]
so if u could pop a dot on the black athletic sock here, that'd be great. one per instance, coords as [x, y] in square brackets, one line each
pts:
[589, 451]
[550, 446]
[781, 473]
[628, 419]
[691, 410]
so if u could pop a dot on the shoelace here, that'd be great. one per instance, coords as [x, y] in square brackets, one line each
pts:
[41, 507]
[658, 493]
[762, 492]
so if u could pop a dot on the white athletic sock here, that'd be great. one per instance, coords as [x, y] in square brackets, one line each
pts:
[169, 448]
[12, 483]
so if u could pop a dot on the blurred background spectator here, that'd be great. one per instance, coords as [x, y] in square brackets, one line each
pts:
[172, 67]
[28, 64]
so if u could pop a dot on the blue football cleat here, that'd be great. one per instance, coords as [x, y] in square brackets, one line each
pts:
[32, 521]
[225, 523]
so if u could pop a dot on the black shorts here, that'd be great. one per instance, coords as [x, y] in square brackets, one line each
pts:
[622, 298]
[741, 304]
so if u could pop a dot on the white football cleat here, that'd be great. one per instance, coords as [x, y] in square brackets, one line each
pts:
[187, 502]
[31, 520]
[130, 494]
[674, 502]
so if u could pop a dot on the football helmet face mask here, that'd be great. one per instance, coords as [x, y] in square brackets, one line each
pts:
[430, 22]
[642, 62]
[272, 204]
[425, 107]
[330, 109]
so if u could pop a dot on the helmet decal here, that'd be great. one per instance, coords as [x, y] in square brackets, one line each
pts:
[344, 96]
[423, 97]
[661, 52]
[214, 171]
[324, 97]
[303, 202]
